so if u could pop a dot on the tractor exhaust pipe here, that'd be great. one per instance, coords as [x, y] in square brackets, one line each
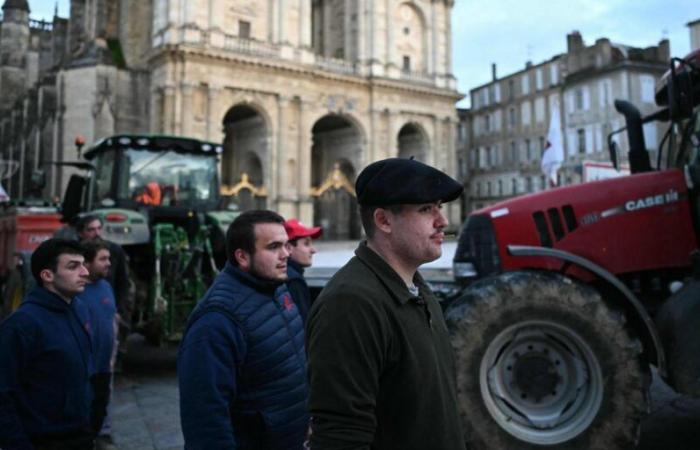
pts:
[638, 154]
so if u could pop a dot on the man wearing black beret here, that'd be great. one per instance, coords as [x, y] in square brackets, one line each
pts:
[380, 363]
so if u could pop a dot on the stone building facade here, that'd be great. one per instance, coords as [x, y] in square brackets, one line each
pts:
[510, 116]
[302, 93]
[694, 29]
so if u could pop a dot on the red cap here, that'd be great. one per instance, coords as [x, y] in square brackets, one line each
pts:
[296, 230]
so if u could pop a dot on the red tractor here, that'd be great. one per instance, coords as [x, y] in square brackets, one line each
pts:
[573, 295]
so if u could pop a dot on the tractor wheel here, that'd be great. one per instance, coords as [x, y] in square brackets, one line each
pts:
[542, 361]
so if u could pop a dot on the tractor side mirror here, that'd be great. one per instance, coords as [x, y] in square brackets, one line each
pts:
[70, 208]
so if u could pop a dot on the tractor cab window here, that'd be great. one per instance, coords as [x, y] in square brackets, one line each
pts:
[102, 186]
[168, 178]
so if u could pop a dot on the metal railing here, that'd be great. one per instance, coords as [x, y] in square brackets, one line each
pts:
[336, 65]
[250, 46]
[417, 77]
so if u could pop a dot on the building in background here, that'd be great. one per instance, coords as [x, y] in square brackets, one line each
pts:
[463, 146]
[510, 116]
[694, 28]
[302, 93]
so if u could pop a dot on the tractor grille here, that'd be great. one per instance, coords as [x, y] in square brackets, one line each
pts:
[477, 245]
[554, 223]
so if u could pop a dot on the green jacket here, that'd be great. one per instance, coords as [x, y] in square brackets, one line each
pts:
[380, 363]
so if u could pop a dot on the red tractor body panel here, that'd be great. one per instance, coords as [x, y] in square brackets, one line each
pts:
[630, 224]
[22, 230]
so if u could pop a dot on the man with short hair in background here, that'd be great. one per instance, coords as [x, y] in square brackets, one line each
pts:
[301, 253]
[241, 365]
[99, 299]
[89, 227]
[46, 357]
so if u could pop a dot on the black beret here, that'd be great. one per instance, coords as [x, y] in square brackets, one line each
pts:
[396, 181]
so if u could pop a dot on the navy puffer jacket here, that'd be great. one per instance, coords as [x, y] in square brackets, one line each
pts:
[242, 368]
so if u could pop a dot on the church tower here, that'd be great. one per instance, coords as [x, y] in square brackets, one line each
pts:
[14, 42]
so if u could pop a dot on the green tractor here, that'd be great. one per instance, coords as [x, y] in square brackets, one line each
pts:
[158, 197]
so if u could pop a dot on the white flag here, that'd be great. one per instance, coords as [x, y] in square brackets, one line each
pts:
[553, 156]
[3, 195]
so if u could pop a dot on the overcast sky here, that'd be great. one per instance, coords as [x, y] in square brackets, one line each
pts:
[511, 32]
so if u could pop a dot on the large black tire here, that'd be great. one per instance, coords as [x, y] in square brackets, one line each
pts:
[543, 362]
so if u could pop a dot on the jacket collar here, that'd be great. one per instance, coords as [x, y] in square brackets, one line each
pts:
[49, 300]
[258, 284]
[294, 269]
[394, 284]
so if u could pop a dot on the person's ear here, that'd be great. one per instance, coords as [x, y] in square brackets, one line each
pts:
[242, 258]
[382, 220]
[46, 276]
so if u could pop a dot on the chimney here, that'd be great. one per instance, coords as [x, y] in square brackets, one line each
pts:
[574, 41]
[493, 72]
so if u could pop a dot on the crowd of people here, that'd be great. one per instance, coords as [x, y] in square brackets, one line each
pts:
[368, 364]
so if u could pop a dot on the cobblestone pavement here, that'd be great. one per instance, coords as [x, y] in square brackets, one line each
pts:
[146, 415]
[146, 412]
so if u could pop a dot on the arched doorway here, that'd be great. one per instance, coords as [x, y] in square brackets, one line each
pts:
[412, 142]
[246, 144]
[335, 153]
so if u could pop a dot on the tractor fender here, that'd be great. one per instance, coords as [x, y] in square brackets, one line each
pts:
[678, 321]
[650, 334]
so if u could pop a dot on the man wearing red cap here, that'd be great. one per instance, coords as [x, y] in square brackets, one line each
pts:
[301, 253]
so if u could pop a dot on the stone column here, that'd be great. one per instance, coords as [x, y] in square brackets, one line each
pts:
[448, 40]
[281, 21]
[53, 190]
[347, 33]
[305, 23]
[168, 93]
[277, 175]
[186, 93]
[214, 117]
[306, 204]
[361, 50]
[272, 21]
[389, 33]
[432, 40]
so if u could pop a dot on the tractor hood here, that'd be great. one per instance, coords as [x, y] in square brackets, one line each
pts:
[627, 224]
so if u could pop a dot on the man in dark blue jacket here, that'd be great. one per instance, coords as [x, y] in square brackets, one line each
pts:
[46, 357]
[301, 254]
[98, 297]
[241, 365]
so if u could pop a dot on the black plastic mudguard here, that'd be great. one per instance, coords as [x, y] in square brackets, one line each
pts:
[678, 322]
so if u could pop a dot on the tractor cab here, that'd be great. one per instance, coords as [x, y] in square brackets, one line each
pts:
[159, 178]
[158, 197]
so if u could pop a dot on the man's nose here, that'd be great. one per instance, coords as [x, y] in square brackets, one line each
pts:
[84, 272]
[286, 251]
[441, 220]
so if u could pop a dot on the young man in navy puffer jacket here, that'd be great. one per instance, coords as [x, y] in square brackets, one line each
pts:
[242, 365]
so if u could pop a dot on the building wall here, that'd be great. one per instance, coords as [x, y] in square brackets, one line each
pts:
[510, 116]
[694, 28]
[297, 90]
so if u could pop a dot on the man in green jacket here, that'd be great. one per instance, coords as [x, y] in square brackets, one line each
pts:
[380, 363]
